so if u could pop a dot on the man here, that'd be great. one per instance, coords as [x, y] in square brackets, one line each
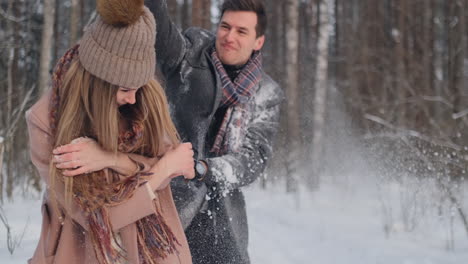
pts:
[228, 108]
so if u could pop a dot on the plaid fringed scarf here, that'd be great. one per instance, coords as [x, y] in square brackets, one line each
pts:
[155, 239]
[241, 89]
[236, 97]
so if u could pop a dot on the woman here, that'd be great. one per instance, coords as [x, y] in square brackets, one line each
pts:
[104, 143]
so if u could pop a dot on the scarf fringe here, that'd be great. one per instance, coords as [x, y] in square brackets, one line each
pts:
[106, 246]
[155, 238]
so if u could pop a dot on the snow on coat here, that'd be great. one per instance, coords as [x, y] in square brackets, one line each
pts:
[212, 211]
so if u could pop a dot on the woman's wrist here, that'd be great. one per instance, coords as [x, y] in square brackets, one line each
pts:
[159, 174]
[123, 164]
[113, 160]
[155, 182]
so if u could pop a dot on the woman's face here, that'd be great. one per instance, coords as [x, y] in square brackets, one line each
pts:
[126, 96]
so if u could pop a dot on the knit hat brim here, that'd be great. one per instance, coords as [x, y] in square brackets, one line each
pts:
[125, 72]
[130, 64]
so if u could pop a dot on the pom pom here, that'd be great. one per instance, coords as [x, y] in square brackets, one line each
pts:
[120, 13]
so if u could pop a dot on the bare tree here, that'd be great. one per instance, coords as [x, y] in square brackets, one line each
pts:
[292, 92]
[399, 38]
[172, 7]
[320, 99]
[206, 22]
[12, 241]
[46, 45]
[197, 13]
[75, 20]
[12, 82]
[393, 60]
[2, 150]
[201, 13]
[456, 61]
[185, 15]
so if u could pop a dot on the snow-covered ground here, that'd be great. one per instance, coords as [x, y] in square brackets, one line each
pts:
[24, 217]
[342, 223]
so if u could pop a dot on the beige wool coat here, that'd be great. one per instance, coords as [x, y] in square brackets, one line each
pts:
[67, 240]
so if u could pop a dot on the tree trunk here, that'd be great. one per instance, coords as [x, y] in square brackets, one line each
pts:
[75, 21]
[10, 84]
[12, 63]
[307, 57]
[201, 15]
[185, 20]
[292, 91]
[399, 78]
[56, 36]
[172, 8]
[10, 170]
[457, 42]
[197, 13]
[206, 21]
[2, 148]
[439, 54]
[47, 37]
[272, 63]
[462, 95]
[320, 99]
[13, 90]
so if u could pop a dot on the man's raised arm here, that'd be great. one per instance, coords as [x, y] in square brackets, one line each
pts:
[170, 44]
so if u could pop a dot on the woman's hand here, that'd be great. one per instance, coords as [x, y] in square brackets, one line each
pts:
[175, 162]
[179, 161]
[82, 155]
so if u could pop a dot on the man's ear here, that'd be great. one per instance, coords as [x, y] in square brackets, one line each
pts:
[259, 42]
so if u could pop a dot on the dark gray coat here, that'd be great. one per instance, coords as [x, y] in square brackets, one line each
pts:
[213, 210]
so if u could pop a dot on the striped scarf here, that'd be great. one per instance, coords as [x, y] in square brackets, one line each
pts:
[155, 239]
[241, 89]
[236, 97]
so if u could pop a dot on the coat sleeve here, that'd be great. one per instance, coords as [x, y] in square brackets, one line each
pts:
[170, 43]
[239, 169]
[138, 206]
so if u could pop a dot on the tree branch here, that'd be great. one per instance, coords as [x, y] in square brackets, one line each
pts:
[12, 18]
[18, 113]
[460, 114]
[413, 133]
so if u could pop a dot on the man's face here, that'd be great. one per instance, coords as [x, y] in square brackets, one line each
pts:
[236, 37]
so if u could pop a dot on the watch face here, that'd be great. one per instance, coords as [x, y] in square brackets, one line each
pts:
[200, 168]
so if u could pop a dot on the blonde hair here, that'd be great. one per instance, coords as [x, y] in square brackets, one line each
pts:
[88, 108]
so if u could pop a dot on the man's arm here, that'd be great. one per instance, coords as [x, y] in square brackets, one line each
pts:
[239, 169]
[170, 43]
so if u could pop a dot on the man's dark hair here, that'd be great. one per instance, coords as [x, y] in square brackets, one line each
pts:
[255, 6]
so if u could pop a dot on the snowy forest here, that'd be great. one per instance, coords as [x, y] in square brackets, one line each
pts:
[376, 117]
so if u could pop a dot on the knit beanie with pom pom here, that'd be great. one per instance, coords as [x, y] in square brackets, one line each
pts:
[119, 46]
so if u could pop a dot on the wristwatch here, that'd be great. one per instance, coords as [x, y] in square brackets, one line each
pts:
[201, 168]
